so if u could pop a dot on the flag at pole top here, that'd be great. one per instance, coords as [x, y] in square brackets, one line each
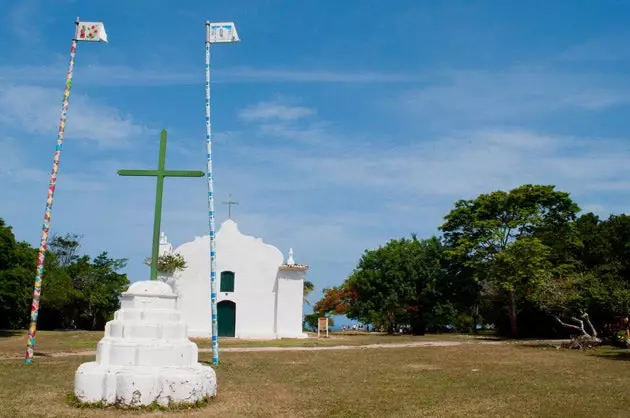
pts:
[221, 32]
[91, 32]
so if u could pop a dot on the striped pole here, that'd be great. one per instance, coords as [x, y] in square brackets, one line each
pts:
[37, 289]
[213, 261]
[90, 32]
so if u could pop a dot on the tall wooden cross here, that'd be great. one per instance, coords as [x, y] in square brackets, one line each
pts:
[160, 173]
[230, 202]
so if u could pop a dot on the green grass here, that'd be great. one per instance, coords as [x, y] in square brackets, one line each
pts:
[469, 380]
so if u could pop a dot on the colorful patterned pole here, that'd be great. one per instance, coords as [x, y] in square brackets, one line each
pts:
[88, 32]
[32, 329]
[213, 261]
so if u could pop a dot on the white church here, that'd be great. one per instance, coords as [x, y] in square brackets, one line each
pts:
[260, 295]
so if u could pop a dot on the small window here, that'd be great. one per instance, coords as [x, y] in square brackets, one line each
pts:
[227, 281]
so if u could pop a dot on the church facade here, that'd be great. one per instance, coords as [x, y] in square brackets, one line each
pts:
[260, 296]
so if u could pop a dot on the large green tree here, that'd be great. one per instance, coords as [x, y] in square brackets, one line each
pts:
[80, 291]
[401, 283]
[604, 272]
[500, 235]
[17, 269]
[77, 291]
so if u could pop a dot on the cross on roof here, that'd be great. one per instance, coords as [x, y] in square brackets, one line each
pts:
[161, 173]
[230, 202]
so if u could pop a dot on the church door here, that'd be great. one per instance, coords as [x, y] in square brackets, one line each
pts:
[226, 318]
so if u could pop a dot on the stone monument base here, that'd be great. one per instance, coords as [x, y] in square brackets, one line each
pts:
[144, 385]
[145, 356]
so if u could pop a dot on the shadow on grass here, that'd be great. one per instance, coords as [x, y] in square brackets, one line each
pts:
[612, 353]
[5, 333]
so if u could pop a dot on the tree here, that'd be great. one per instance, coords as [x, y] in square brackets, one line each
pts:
[168, 264]
[66, 248]
[518, 271]
[308, 288]
[401, 283]
[490, 231]
[103, 289]
[604, 269]
[335, 300]
[17, 270]
[79, 292]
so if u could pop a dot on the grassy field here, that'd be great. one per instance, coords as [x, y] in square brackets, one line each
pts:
[13, 343]
[472, 380]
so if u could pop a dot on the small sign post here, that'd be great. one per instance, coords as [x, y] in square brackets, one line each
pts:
[322, 325]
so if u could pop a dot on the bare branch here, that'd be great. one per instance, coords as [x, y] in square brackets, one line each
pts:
[590, 325]
[579, 328]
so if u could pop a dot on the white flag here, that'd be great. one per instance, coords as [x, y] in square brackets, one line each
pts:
[221, 32]
[91, 32]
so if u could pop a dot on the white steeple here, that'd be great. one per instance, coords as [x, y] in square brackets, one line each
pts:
[165, 246]
[290, 260]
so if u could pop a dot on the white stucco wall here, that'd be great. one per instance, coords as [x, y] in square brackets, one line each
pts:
[255, 265]
[290, 300]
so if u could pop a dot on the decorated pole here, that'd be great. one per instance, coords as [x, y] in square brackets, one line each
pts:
[223, 32]
[84, 31]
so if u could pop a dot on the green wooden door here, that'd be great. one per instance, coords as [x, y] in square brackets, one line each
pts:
[226, 316]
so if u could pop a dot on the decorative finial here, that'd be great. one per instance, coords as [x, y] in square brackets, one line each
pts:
[290, 260]
[163, 239]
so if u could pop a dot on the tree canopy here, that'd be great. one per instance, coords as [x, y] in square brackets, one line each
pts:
[77, 291]
[521, 260]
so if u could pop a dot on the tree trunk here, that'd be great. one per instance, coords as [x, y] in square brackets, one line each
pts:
[390, 323]
[417, 323]
[475, 318]
[512, 313]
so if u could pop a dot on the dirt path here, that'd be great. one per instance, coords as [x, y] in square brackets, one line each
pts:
[322, 348]
[251, 349]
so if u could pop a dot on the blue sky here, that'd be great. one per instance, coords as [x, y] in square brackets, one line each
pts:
[338, 125]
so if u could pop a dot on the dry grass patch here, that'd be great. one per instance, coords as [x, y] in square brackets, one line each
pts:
[470, 380]
[13, 343]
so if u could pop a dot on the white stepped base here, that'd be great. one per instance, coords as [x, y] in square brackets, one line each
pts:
[145, 356]
[136, 386]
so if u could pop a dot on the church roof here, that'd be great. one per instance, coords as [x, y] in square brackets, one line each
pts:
[290, 264]
[297, 267]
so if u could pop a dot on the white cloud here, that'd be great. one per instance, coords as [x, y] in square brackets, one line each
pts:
[17, 169]
[483, 97]
[463, 164]
[121, 75]
[96, 74]
[36, 110]
[265, 111]
[319, 76]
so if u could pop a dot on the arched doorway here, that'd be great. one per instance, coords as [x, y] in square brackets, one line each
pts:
[226, 317]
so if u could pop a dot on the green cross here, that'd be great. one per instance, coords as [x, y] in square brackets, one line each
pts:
[160, 173]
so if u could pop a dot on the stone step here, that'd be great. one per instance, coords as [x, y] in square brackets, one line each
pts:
[150, 353]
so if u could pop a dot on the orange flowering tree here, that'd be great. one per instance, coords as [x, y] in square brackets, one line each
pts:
[335, 300]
